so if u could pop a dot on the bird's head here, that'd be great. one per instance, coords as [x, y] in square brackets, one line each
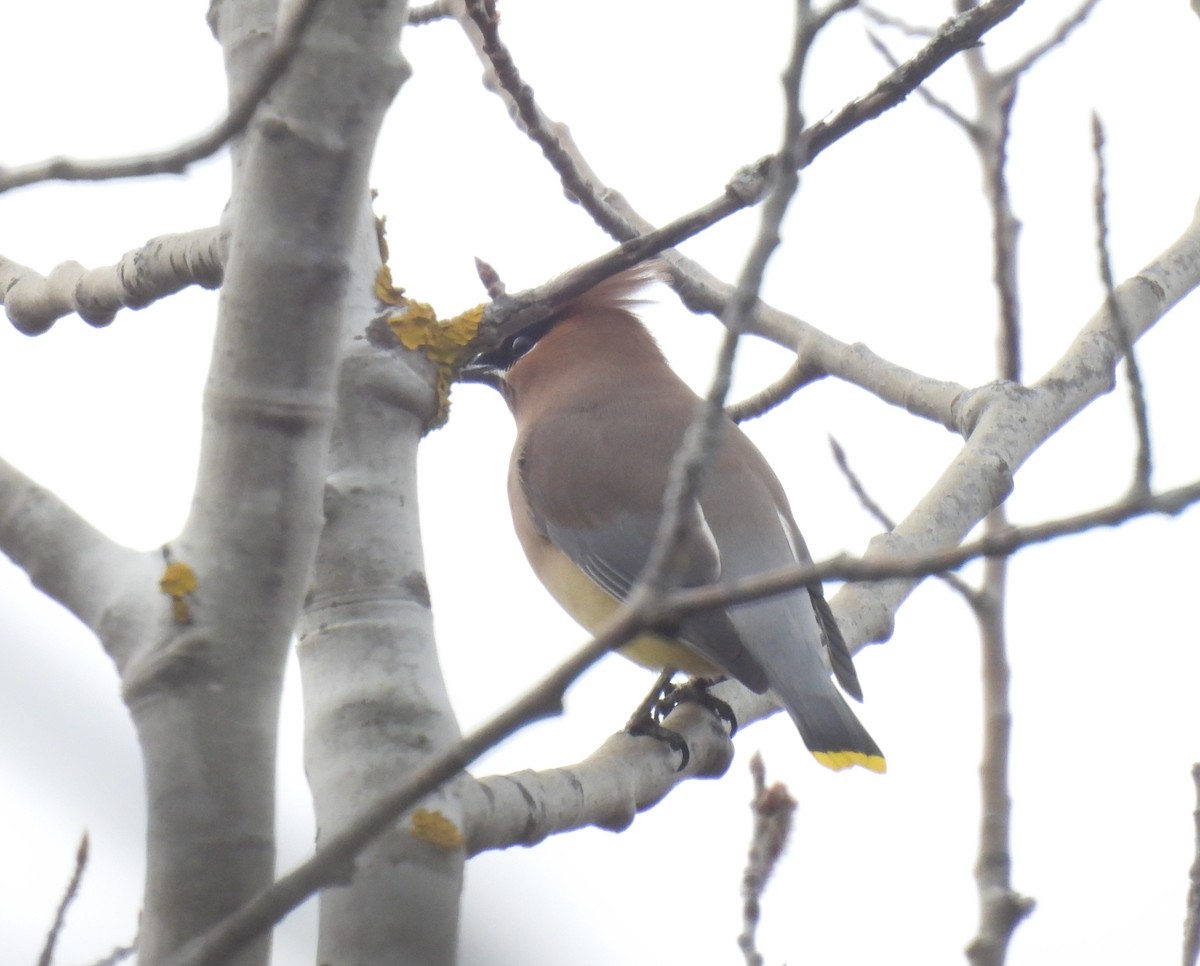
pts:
[575, 325]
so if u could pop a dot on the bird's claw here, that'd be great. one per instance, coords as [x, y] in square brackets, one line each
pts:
[697, 691]
[647, 719]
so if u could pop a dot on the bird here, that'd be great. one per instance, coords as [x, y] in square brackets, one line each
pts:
[600, 415]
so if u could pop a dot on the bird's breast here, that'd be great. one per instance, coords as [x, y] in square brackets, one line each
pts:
[590, 606]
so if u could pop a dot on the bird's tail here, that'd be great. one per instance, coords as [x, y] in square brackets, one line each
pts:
[836, 738]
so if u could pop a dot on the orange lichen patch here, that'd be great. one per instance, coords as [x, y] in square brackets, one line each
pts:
[177, 581]
[434, 828]
[417, 327]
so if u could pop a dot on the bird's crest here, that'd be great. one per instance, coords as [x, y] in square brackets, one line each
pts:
[618, 292]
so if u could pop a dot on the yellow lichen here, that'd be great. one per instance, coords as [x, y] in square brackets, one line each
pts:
[177, 581]
[434, 828]
[416, 326]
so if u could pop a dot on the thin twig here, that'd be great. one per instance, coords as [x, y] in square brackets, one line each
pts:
[1137, 393]
[81, 859]
[429, 12]
[773, 810]
[856, 486]
[993, 150]
[690, 464]
[1191, 922]
[887, 20]
[177, 159]
[117, 956]
[688, 469]
[746, 188]
[885, 520]
[945, 107]
[334, 861]
[1002, 543]
[798, 375]
[1001, 907]
[1056, 39]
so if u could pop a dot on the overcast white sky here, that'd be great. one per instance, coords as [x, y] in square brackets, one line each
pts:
[886, 245]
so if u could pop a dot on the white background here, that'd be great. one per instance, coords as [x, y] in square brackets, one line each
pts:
[887, 245]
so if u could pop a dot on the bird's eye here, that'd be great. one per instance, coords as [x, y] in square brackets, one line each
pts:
[520, 345]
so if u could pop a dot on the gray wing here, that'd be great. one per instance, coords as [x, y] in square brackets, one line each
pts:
[612, 549]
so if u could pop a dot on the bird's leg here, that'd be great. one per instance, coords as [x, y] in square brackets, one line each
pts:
[697, 690]
[648, 709]
[645, 720]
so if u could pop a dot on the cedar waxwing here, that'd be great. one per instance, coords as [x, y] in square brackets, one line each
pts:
[600, 416]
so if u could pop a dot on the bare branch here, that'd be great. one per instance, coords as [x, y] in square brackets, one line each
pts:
[799, 374]
[1137, 394]
[959, 34]
[81, 858]
[429, 12]
[746, 188]
[333, 863]
[773, 810]
[820, 354]
[177, 159]
[690, 463]
[887, 20]
[527, 807]
[699, 289]
[994, 127]
[1005, 423]
[1001, 908]
[923, 91]
[1191, 923]
[1056, 39]
[118, 955]
[67, 558]
[885, 520]
[856, 486]
[163, 266]
[916, 565]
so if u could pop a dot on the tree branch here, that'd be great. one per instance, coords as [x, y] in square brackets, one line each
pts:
[163, 266]
[1006, 423]
[773, 809]
[176, 160]
[526, 807]
[429, 12]
[903, 559]
[529, 806]
[690, 464]
[1191, 923]
[333, 862]
[1143, 464]
[60, 915]
[748, 186]
[67, 558]
[1056, 39]
[876, 569]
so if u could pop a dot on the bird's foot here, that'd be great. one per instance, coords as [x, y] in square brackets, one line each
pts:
[697, 691]
[646, 718]
[664, 698]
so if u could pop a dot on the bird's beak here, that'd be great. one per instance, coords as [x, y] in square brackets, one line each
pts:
[483, 369]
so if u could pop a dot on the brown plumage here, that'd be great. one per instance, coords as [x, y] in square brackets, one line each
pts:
[600, 415]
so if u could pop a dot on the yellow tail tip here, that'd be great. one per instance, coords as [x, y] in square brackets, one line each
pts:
[837, 760]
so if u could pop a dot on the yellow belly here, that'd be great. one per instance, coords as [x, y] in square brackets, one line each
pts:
[590, 605]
